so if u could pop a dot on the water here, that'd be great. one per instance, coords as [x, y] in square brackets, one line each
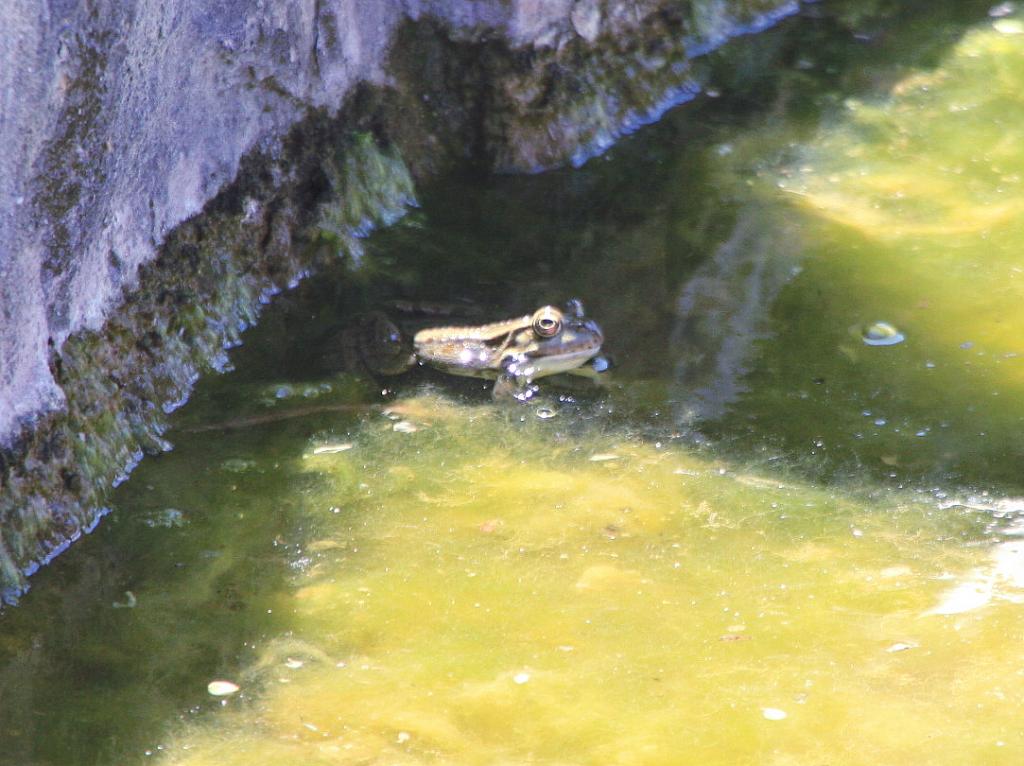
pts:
[764, 541]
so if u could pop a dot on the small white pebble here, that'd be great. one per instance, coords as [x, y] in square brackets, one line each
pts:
[129, 601]
[403, 737]
[601, 457]
[405, 427]
[521, 678]
[901, 646]
[221, 688]
[293, 664]
[774, 714]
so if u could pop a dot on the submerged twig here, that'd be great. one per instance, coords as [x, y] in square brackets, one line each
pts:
[248, 421]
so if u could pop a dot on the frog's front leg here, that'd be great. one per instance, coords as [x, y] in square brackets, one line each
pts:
[515, 380]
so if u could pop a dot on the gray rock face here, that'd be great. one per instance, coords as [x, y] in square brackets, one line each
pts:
[120, 120]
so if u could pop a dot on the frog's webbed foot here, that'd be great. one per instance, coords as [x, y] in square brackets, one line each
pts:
[515, 381]
[507, 387]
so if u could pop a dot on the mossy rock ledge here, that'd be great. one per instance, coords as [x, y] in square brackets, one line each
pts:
[169, 167]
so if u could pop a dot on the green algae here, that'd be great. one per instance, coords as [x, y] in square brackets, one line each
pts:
[371, 187]
[485, 589]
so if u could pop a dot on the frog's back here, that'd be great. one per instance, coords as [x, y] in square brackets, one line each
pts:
[460, 356]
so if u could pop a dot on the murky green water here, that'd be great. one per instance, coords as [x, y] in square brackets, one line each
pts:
[773, 538]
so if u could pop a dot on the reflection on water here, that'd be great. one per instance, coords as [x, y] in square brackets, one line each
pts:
[722, 310]
[778, 537]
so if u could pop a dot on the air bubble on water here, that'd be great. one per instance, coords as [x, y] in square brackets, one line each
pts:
[545, 413]
[881, 334]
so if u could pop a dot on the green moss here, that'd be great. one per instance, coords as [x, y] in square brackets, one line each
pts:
[371, 186]
[206, 286]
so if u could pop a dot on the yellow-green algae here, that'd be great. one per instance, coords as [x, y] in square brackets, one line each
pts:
[496, 588]
[903, 209]
[929, 183]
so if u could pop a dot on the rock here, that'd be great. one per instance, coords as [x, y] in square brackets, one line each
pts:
[586, 19]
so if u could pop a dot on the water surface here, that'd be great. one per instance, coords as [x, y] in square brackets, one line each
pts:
[785, 531]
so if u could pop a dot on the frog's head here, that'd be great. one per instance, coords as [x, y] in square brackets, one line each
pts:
[556, 340]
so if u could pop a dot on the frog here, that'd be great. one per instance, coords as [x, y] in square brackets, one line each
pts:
[516, 352]
[513, 352]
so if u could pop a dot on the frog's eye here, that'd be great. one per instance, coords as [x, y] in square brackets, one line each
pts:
[547, 322]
